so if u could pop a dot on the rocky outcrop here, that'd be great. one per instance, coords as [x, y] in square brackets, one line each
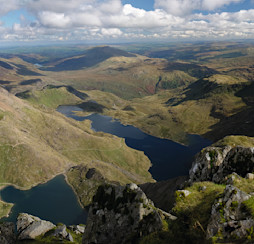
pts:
[85, 182]
[7, 233]
[30, 227]
[214, 163]
[122, 215]
[62, 234]
[229, 220]
[77, 229]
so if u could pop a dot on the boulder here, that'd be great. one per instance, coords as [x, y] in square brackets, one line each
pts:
[229, 220]
[30, 227]
[62, 234]
[250, 176]
[183, 193]
[122, 214]
[7, 233]
[215, 163]
[78, 229]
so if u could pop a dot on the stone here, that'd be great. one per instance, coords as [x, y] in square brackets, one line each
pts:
[69, 237]
[183, 193]
[81, 228]
[7, 233]
[250, 176]
[228, 219]
[215, 163]
[78, 229]
[120, 214]
[60, 232]
[202, 188]
[30, 227]
[231, 179]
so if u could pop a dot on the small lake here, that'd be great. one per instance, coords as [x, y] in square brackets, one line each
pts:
[54, 201]
[169, 159]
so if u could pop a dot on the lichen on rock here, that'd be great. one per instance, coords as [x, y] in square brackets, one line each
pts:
[215, 163]
[122, 214]
[229, 220]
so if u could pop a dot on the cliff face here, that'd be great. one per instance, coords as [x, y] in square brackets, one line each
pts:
[215, 163]
[122, 215]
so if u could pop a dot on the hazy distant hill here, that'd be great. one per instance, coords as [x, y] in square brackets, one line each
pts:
[92, 57]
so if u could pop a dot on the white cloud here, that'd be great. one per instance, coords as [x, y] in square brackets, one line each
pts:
[7, 6]
[183, 7]
[52, 19]
[111, 32]
[215, 4]
[178, 7]
[100, 19]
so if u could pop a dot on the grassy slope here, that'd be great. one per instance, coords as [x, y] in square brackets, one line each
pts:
[35, 145]
[52, 98]
[193, 213]
[153, 115]
[127, 77]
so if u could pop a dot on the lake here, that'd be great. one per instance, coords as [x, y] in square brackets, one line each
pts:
[54, 201]
[169, 159]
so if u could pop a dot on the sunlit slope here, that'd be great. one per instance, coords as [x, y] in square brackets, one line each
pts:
[126, 75]
[196, 109]
[36, 144]
[17, 75]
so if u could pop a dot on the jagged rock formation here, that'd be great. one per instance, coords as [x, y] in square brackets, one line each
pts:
[122, 215]
[214, 163]
[7, 233]
[62, 234]
[30, 227]
[228, 219]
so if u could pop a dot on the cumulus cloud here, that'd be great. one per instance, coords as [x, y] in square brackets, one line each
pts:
[111, 32]
[183, 7]
[7, 6]
[178, 7]
[215, 4]
[100, 19]
[53, 19]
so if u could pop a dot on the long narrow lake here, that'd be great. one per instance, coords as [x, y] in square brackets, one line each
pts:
[54, 201]
[169, 159]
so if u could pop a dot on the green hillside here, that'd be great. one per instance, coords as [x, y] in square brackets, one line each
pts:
[38, 143]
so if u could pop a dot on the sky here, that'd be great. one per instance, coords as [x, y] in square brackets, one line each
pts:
[125, 20]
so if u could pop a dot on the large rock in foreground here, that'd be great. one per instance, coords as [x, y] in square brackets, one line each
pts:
[122, 215]
[214, 163]
[30, 227]
[229, 219]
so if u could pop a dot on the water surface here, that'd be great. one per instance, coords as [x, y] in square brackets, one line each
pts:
[54, 201]
[169, 159]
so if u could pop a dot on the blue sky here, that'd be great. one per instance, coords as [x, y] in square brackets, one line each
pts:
[144, 4]
[125, 20]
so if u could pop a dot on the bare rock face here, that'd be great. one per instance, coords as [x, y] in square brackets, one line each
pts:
[121, 215]
[30, 227]
[215, 163]
[228, 219]
[7, 234]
